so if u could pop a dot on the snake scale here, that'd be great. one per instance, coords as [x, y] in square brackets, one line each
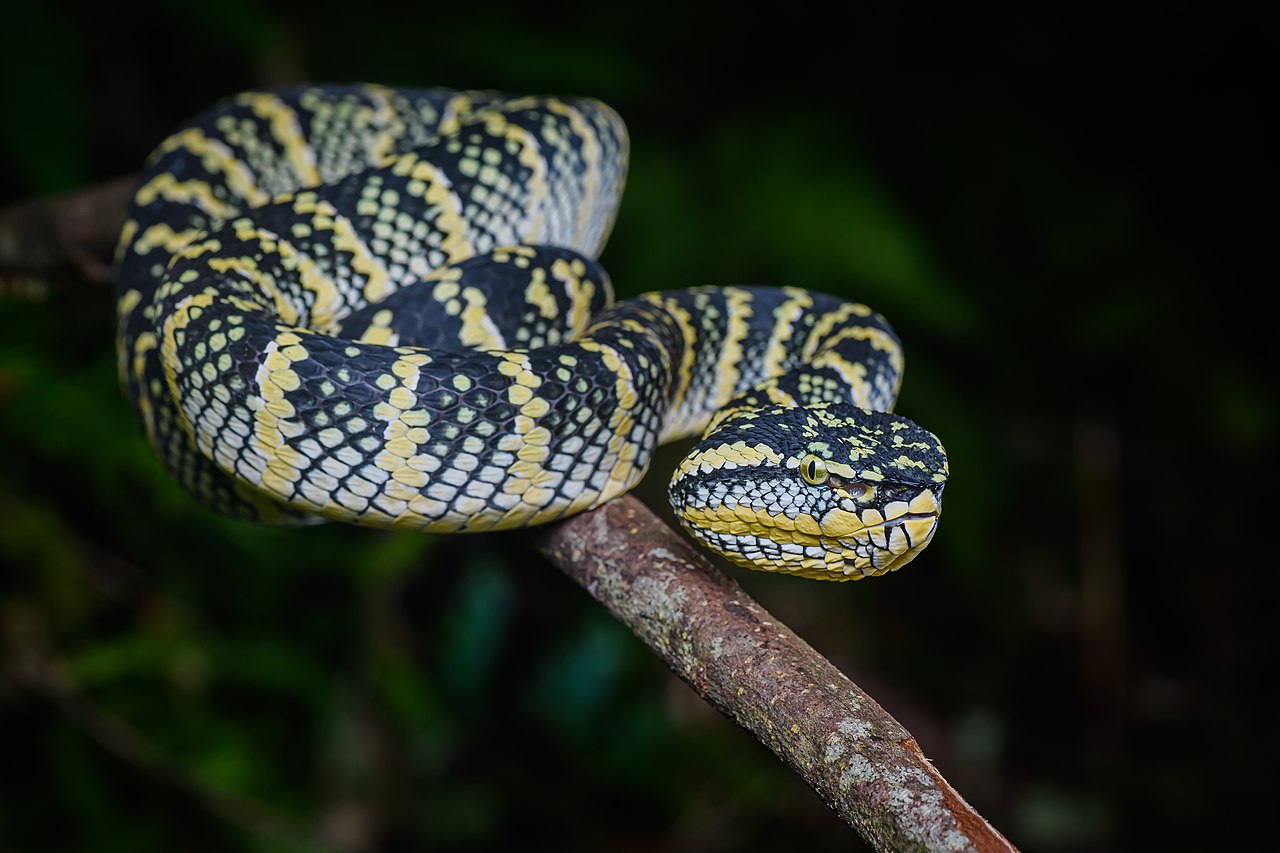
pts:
[382, 306]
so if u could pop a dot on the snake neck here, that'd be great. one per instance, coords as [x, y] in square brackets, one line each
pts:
[747, 347]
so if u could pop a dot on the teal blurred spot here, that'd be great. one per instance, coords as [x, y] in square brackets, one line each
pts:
[473, 632]
[1053, 818]
[578, 679]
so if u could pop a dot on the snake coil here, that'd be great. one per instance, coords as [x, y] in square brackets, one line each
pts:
[383, 307]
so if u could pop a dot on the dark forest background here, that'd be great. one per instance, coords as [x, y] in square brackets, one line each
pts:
[1066, 212]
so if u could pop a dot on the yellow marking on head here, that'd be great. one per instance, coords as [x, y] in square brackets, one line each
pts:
[921, 529]
[838, 561]
[926, 501]
[839, 523]
[779, 528]
[736, 455]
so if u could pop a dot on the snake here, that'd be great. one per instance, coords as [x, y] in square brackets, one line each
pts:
[384, 306]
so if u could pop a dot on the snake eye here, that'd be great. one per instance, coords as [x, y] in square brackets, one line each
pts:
[813, 469]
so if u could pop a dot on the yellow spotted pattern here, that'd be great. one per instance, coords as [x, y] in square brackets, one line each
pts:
[382, 307]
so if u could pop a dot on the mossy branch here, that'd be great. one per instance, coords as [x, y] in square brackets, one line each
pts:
[738, 657]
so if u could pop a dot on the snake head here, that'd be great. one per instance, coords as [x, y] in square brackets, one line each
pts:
[832, 492]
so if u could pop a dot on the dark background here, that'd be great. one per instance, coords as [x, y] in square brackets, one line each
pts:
[1065, 212]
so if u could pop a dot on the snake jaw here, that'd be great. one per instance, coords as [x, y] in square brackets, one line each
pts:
[887, 545]
[838, 546]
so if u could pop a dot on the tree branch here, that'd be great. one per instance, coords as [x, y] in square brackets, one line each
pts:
[754, 669]
[69, 235]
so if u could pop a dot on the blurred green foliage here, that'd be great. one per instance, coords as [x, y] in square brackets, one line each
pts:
[1070, 246]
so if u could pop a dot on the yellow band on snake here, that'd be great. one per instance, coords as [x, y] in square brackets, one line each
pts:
[383, 307]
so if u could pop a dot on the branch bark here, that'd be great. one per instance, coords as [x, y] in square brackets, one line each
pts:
[738, 657]
[756, 671]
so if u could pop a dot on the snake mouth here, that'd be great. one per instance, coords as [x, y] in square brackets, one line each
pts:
[805, 550]
[883, 546]
[917, 528]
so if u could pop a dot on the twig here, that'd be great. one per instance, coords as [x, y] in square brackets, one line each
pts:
[754, 669]
[74, 233]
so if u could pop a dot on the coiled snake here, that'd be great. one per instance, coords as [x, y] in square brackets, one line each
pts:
[382, 307]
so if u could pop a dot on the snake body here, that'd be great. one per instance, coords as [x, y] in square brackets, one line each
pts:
[383, 307]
